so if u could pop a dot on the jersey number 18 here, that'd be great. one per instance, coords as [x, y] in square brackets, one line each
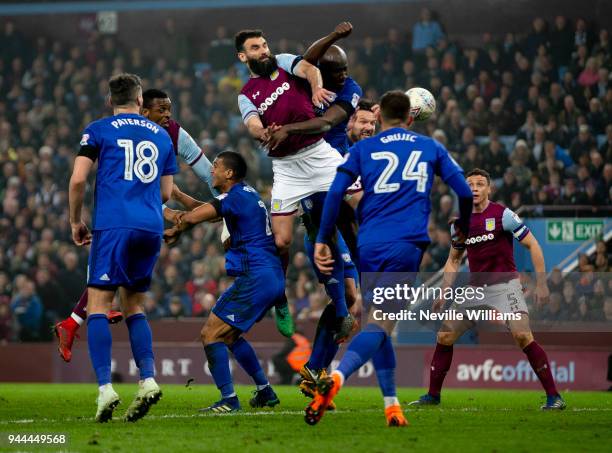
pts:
[138, 168]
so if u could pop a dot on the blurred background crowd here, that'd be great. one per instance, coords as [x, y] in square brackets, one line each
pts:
[534, 109]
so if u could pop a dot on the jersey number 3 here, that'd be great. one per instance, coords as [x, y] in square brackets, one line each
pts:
[411, 172]
[142, 159]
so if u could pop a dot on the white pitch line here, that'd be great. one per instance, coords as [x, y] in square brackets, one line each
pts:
[288, 412]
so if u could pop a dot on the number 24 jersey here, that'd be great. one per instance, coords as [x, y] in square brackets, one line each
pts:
[397, 169]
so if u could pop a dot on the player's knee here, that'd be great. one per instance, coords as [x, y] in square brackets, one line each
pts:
[522, 339]
[207, 336]
[282, 242]
[446, 338]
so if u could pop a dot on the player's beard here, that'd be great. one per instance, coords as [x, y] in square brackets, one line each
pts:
[263, 68]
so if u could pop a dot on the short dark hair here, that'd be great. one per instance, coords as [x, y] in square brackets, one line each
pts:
[235, 162]
[150, 94]
[365, 104]
[395, 105]
[124, 88]
[243, 35]
[479, 172]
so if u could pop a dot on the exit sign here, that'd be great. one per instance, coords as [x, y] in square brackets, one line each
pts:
[573, 230]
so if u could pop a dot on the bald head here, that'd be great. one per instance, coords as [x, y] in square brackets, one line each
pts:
[334, 56]
[334, 68]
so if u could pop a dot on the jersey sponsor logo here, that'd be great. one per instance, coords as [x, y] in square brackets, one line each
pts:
[231, 317]
[255, 95]
[481, 238]
[332, 281]
[105, 278]
[273, 97]
[490, 224]
[355, 100]
[84, 139]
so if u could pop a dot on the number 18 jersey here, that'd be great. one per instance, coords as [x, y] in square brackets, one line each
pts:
[133, 154]
[397, 169]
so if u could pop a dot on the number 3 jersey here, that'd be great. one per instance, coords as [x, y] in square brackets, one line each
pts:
[252, 243]
[133, 153]
[397, 169]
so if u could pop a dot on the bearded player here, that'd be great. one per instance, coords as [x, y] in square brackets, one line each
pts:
[156, 107]
[397, 169]
[284, 89]
[490, 250]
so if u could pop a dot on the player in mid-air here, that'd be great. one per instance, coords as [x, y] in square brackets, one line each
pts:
[156, 107]
[303, 164]
[136, 162]
[491, 262]
[397, 169]
[253, 259]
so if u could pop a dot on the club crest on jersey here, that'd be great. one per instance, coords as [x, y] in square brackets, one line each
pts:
[355, 100]
[490, 224]
[84, 139]
[274, 75]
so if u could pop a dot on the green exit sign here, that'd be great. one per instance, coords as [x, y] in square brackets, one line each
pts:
[573, 230]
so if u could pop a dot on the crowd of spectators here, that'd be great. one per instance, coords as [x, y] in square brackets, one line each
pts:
[534, 109]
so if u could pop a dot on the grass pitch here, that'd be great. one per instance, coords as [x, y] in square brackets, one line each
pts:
[467, 420]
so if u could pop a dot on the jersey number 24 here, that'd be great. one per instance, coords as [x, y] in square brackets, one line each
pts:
[413, 171]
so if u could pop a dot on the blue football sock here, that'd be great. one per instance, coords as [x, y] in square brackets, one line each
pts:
[324, 344]
[334, 284]
[218, 364]
[246, 357]
[141, 341]
[100, 341]
[384, 364]
[361, 349]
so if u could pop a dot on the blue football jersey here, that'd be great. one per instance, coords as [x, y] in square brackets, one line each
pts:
[397, 169]
[133, 153]
[252, 243]
[347, 98]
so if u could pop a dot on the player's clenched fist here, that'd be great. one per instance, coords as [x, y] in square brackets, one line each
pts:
[343, 29]
[80, 233]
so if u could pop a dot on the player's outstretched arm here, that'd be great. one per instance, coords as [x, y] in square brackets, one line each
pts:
[191, 153]
[205, 213]
[187, 201]
[537, 258]
[320, 96]
[319, 47]
[76, 195]
[321, 124]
